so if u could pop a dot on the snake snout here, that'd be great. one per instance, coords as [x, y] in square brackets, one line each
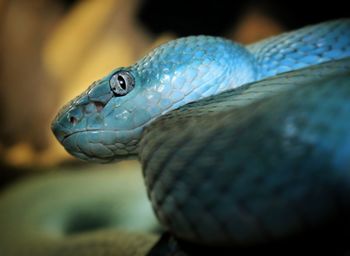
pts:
[72, 120]
[66, 121]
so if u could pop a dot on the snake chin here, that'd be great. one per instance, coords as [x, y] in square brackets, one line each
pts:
[95, 149]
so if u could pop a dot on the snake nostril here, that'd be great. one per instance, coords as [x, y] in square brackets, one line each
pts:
[73, 120]
[99, 105]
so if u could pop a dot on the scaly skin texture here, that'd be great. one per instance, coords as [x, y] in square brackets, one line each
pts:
[229, 174]
[255, 171]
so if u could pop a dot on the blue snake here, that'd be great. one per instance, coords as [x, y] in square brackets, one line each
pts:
[238, 144]
[242, 164]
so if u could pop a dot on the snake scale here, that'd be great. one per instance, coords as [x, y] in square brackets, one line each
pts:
[238, 145]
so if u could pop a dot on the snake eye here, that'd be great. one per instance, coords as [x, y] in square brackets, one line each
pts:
[121, 83]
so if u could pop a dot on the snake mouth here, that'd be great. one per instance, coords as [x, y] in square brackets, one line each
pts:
[66, 136]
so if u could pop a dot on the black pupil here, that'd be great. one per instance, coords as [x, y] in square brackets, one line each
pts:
[121, 82]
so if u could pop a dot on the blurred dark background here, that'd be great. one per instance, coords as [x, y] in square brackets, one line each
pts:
[186, 17]
[51, 50]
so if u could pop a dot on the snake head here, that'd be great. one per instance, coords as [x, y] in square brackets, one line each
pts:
[97, 125]
[106, 121]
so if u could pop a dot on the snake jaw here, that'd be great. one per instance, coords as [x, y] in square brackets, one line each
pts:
[100, 146]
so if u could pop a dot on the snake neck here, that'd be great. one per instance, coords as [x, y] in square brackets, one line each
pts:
[308, 46]
[197, 66]
[187, 70]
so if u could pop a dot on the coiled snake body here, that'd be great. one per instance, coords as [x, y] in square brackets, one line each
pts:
[246, 162]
